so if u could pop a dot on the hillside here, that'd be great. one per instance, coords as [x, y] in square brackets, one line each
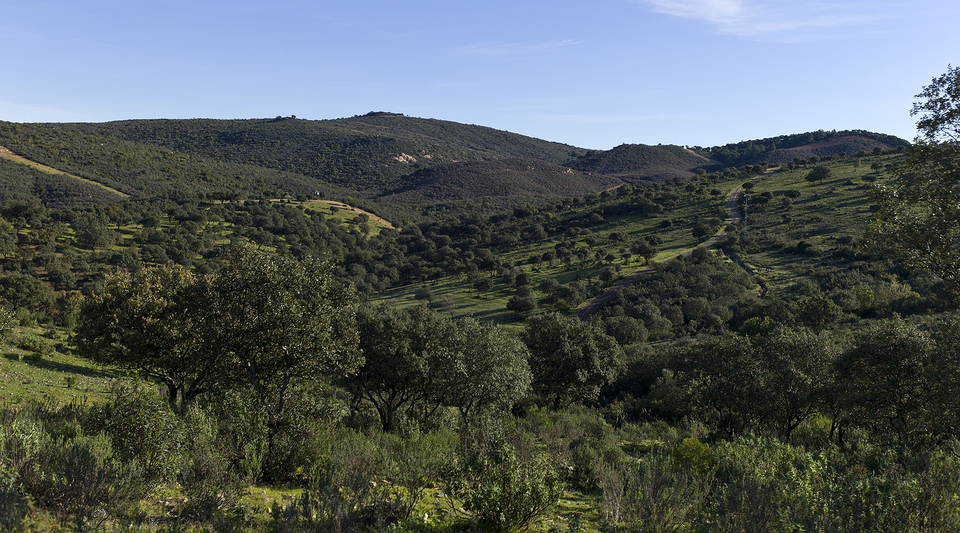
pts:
[638, 162]
[784, 148]
[690, 366]
[508, 177]
[359, 153]
[850, 145]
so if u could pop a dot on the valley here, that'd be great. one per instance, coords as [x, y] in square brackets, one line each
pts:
[390, 323]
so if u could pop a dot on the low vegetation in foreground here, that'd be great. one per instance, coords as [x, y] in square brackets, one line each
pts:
[200, 335]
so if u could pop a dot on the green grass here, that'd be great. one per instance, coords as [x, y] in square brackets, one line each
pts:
[457, 295]
[825, 216]
[36, 365]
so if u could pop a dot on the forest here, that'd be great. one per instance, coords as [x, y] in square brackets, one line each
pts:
[244, 326]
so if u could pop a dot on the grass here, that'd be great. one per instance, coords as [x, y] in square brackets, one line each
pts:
[825, 217]
[36, 365]
[456, 294]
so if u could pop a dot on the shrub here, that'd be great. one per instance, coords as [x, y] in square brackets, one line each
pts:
[142, 427]
[82, 480]
[14, 504]
[347, 491]
[205, 475]
[502, 492]
[656, 494]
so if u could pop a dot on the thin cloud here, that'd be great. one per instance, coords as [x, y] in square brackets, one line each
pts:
[787, 22]
[517, 49]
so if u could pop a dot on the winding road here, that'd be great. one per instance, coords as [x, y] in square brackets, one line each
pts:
[584, 312]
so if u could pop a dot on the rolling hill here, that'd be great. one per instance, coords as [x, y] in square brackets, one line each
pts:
[507, 177]
[358, 153]
[385, 156]
[635, 163]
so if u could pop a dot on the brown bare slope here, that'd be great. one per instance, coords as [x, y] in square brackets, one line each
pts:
[847, 144]
[509, 177]
[640, 162]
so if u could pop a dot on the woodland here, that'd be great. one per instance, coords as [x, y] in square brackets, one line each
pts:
[386, 323]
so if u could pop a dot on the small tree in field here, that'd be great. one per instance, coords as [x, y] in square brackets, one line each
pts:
[819, 173]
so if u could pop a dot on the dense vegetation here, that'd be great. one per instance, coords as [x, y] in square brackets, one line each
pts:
[198, 338]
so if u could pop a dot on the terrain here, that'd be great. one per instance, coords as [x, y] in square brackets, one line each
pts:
[734, 325]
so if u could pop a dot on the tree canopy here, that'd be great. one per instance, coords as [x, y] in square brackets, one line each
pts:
[918, 215]
[571, 360]
[265, 322]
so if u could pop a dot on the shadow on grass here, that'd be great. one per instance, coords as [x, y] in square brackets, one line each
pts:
[67, 368]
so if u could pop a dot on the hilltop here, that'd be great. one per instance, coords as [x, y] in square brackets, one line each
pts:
[638, 162]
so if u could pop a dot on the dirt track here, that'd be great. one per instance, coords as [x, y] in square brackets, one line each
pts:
[593, 305]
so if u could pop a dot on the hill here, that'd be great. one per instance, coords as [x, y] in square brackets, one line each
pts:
[358, 153]
[846, 144]
[638, 162]
[785, 148]
[508, 177]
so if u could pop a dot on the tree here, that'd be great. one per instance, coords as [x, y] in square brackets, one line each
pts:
[399, 349]
[701, 231]
[22, 290]
[490, 368]
[887, 376]
[570, 360]
[819, 173]
[918, 216]
[278, 323]
[939, 108]
[149, 323]
[819, 312]
[521, 304]
[797, 364]
[417, 360]
[483, 285]
[266, 324]
[424, 293]
[645, 249]
[725, 376]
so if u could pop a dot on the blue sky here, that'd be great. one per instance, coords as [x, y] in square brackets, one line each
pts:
[594, 74]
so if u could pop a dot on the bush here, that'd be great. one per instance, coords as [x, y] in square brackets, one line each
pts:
[348, 492]
[14, 504]
[33, 344]
[143, 428]
[82, 481]
[656, 494]
[208, 482]
[502, 492]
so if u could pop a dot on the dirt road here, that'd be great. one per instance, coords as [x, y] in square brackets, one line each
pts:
[584, 312]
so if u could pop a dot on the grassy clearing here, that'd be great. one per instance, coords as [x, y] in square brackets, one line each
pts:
[789, 237]
[348, 215]
[37, 365]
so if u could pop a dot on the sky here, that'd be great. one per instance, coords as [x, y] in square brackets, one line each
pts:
[593, 74]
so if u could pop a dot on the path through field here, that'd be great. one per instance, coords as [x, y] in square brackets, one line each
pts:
[593, 305]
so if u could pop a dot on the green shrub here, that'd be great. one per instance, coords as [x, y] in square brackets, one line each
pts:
[14, 504]
[655, 494]
[82, 481]
[143, 428]
[502, 492]
[348, 490]
[33, 344]
[208, 481]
